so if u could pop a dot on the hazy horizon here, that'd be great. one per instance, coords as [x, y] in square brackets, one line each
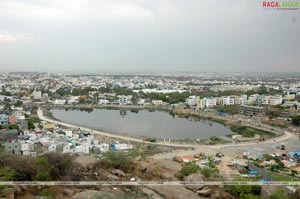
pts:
[82, 36]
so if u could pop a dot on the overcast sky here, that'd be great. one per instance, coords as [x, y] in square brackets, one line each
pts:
[147, 35]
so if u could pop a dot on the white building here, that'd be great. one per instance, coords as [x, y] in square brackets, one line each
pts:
[103, 147]
[157, 102]
[37, 94]
[252, 99]
[200, 104]
[103, 102]
[192, 100]
[210, 102]
[227, 100]
[52, 148]
[125, 99]
[275, 100]
[26, 148]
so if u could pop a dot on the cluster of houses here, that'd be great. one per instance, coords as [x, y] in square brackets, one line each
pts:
[55, 139]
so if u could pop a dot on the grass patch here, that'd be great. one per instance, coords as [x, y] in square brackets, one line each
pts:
[246, 131]
[282, 177]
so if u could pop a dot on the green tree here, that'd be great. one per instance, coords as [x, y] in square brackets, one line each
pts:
[7, 174]
[296, 120]
[279, 194]
[42, 169]
[116, 159]
[81, 100]
[189, 168]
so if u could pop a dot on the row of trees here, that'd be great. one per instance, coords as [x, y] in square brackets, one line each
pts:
[51, 166]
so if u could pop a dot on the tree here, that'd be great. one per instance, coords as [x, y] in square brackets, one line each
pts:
[42, 169]
[189, 168]
[18, 103]
[7, 174]
[116, 159]
[81, 100]
[296, 120]
[279, 194]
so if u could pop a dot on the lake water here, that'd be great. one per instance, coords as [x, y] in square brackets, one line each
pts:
[156, 124]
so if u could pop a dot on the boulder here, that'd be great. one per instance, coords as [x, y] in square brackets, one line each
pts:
[87, 194]
[118, 172]
[67, 192]
[178, 159]
[194, 177]
[268, 190]
[17, 189]
[297, 192]
[112, 177]
[215, 196]
[198, 155]
[205, 192]
[8, 192]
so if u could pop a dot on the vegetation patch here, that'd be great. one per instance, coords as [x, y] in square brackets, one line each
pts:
[246, 131]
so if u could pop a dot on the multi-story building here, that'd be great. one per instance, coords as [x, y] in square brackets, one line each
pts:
[37, 94]
[227, 100]
[125, 99]
[252, 110]
[275, 100]
[210, 102]
[13, 147]
[3, 119]
[252, 99]
[192, 100]
[200, 104]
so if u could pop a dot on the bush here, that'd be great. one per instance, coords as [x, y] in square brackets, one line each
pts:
[189, 168]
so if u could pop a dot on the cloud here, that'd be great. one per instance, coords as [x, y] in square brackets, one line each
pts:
[8, 38]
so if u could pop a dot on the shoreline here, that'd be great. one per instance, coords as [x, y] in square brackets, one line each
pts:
[280, 134]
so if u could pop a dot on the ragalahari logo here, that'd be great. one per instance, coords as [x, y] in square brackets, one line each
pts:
[281, 5]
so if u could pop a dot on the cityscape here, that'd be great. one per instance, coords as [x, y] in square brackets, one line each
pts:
[256, 116]
[139, 99]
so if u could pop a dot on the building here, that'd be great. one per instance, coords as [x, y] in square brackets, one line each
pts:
[8, 135]
[125, 99]
[252, 99]
[157, 102]
[27, 149]
[252, 110]
[103, 102]
[275, 100]
[210, 102]
[200, 104]
[37, 94]
[227, 100]
[3, 119]
[13, 147]
[192, 100]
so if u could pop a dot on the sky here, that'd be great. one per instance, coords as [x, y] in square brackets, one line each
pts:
[147, 35]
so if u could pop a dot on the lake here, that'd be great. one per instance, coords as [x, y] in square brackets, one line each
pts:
[156, 124]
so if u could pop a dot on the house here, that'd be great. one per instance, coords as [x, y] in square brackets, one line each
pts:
[13, 147]
[26, 148]
[49, 126]
[12, 119]
[192, 100]
[103, 102]
[157, 102]
[52, 148]
[3, 119]
[103, 147]
[125, 99]
[116, 146]
[8, 135]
